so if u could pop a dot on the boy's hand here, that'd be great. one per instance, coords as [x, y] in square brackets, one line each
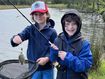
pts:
[54, 46]
[17, 39]
[42, 61]
[62, 54]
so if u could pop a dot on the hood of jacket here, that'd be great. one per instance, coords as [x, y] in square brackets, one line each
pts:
[51, 23]
[72, 12]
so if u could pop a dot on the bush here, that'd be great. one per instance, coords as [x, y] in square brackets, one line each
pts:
[96, 56]
[103, 16]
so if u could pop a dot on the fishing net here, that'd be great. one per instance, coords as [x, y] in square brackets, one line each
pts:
[12, 69]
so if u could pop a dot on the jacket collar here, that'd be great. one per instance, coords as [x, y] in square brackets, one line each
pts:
[70, 40]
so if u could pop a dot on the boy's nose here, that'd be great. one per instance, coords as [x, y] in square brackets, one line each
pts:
[69, 27]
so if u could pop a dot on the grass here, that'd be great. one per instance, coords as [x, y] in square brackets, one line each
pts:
[99, 74]
[60, 6]
[11, 7]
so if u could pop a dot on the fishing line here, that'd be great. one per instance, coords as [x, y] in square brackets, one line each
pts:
[29, 22]
[26, 19]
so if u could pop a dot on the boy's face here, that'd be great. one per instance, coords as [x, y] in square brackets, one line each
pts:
[40, 17]
[70, 28]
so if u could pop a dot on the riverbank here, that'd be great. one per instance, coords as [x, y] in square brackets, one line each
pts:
[60, 6]
[2, 7]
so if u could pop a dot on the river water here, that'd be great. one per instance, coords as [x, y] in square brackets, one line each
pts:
[11, 23]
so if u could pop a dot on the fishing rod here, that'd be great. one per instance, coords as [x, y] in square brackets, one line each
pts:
[26, 19]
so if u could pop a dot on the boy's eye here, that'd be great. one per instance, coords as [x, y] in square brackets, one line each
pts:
[39, 14]
[73, 23]
[70, 23]
[67, 23]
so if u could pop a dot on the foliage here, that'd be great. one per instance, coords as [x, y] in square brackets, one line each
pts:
[103, 16]
[97, 6]
[100, 74]
[56, 1]
[95, 48]
[96, 56]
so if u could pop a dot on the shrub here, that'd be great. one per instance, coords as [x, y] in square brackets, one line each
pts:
[96, 56]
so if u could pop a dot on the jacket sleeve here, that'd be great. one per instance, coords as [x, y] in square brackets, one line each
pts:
[12, 43]
[82, 62]
[23, 35]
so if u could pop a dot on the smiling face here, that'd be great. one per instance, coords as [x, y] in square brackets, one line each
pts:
[70, 28]
[71, 24]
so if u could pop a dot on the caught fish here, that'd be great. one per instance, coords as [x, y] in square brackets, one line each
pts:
[21, 57]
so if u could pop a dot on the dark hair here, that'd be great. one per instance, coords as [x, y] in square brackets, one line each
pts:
[72, 18]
